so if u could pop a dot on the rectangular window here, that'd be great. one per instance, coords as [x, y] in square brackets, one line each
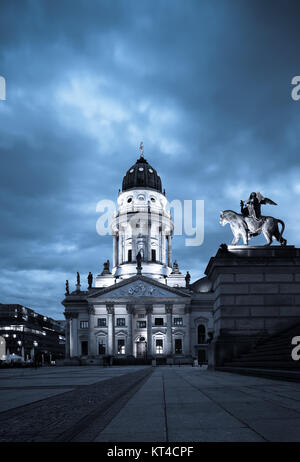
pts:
[178, 322]
[159, 321]
[159, 346]
[141, 324]
[121, 346]
[120, 322]
[153, 255]
[84, 324]
[129, 255]
[101, 347]
[101, 322]
[84, 348]
[178, 346]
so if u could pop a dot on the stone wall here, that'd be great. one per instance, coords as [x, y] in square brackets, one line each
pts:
[257, 293]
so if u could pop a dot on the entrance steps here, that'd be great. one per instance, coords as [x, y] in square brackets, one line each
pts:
[270, 357]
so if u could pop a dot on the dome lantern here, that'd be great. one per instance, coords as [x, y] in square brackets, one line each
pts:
[141, 175]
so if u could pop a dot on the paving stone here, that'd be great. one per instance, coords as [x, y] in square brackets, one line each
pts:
[175, 404]
[216, 435]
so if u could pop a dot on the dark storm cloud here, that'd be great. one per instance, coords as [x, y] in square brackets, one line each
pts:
[205, 85]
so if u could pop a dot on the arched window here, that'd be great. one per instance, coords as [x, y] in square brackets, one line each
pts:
[201, 334]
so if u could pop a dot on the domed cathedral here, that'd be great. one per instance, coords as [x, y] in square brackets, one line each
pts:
[142, 309]
[143, 227]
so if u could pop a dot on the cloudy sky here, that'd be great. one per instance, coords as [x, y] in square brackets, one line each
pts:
[206, 84]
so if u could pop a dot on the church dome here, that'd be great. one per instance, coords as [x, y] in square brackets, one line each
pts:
[141, 175]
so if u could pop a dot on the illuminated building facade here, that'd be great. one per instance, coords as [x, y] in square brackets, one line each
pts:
[25, 333]
[144, 307]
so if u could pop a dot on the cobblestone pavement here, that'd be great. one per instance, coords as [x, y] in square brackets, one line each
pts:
[22, 386]
[134, 404]
[79, 396]
[180, 404]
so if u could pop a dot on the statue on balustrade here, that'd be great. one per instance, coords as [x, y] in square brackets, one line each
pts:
[90, 280]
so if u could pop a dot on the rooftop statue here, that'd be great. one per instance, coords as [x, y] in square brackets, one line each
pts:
[175, 269]
[139, 259]
[250, 222]
[106, 269]
[90, 280]
[187, 279]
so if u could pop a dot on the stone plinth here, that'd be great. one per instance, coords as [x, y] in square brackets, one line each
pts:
[257, 293]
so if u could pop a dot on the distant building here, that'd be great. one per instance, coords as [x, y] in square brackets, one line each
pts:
[29, 334]
[144, 307]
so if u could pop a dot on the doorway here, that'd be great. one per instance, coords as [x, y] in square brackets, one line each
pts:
[141, 348]
[84, 348]
[201, 357]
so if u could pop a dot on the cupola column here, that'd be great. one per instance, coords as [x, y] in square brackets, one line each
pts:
[160, 246]
[163, 248]
[115, 249]
[169, 237]
[120, 249]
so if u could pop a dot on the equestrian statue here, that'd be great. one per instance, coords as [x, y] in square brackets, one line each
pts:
[250, 222]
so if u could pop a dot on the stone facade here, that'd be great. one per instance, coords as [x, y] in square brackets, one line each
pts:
[256, 294]
[138, 317]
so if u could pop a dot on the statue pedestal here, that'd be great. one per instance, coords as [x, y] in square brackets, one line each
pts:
[257, 293]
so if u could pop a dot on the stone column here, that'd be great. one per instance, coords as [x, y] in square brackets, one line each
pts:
[71, 335]
[129, 344]
[170, 251]
[91, 347]
[111, 325]
[120, 248]
[115, 249]
[67, 335]
[188, 334]
[160, 244]
[163, 248]
[74, 335]
[148, 239]
[133, 246]
[149, 309]
[169, 309]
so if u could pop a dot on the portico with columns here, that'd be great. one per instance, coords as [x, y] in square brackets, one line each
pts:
[138, 311]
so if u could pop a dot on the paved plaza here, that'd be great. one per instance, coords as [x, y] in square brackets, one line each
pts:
[23, 386]
[163, 404]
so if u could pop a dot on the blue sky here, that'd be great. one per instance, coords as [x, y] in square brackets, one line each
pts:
[205, 84]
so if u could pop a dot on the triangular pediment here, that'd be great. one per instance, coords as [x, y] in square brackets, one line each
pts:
[138, 287]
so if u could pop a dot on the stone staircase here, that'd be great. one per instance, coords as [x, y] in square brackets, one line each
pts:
[270, 358]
